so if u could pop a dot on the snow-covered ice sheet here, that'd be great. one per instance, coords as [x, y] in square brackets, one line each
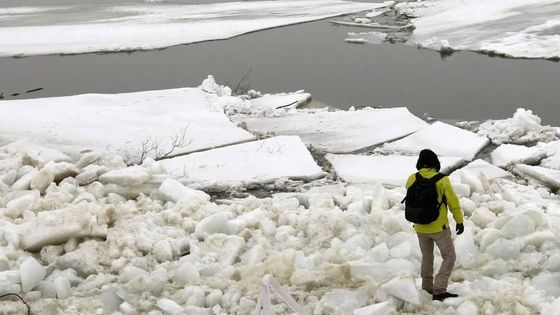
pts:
[507, 154]
[253, 162]
[121, 122]
[154, 25]
[386, 169]
[490, 171]
[443, 139]
[519, 28]
[341, 131]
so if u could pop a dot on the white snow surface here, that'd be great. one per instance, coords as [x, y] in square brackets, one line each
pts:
[152, 25]
[517, 28]
[442, 138]
[392, 170]
[122, 123]
[253, 162]
[340, 131]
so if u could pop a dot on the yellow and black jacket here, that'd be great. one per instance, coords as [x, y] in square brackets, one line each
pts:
[443, 188]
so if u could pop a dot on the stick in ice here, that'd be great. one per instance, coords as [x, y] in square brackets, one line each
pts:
[263, 303]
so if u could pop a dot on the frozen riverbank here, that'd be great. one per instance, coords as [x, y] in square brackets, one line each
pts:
[83, 233]
[519, 29]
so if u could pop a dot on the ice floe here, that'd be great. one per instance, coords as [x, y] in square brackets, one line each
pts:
[386, 169]
[253, 162]
[340, 131]
[129, 123]
[154, 25]
[507, 154]
[443, 139]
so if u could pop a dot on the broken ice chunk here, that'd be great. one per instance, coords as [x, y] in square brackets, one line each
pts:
[31, 273]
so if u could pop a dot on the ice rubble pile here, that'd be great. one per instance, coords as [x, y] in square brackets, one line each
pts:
[523, 128]
[93, 236]
[252, 103]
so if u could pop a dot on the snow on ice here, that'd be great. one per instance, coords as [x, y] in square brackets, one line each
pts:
[127, 123]
[343, 131]
[82, 232]
[247, 163]
[386, 169]
[507, 154]
[442, 138]
[153, 25]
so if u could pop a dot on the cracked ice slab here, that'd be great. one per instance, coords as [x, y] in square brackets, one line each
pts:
[490, 171]
[443, 139]
[120, 122]
[341, 131]
[252, 162]
[154, 25]
[476, 173]
[517, 28]
[508, 154]
[549, 177]
[386, 169]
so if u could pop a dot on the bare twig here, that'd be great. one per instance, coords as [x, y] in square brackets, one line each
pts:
[240, 87]
[21, 299]
[242, 79]
[152, 147]
[176, 141]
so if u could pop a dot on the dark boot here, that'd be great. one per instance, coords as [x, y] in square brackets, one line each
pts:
[443, 296]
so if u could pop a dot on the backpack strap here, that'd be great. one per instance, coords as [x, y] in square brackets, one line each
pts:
[435, 179]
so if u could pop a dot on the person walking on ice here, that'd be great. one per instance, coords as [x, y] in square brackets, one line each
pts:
[429, 195]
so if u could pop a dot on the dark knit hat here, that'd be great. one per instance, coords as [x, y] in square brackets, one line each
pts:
[428, 159]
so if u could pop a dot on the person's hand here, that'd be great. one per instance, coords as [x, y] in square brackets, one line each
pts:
[459, 228]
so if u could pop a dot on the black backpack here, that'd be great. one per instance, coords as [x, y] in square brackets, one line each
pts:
[421, 201]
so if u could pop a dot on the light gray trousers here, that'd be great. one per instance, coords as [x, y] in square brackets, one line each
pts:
[444, 242]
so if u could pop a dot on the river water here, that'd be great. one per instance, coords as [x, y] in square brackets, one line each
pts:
[311, 56]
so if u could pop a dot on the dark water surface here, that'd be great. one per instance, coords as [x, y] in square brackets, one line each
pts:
[314, 57]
